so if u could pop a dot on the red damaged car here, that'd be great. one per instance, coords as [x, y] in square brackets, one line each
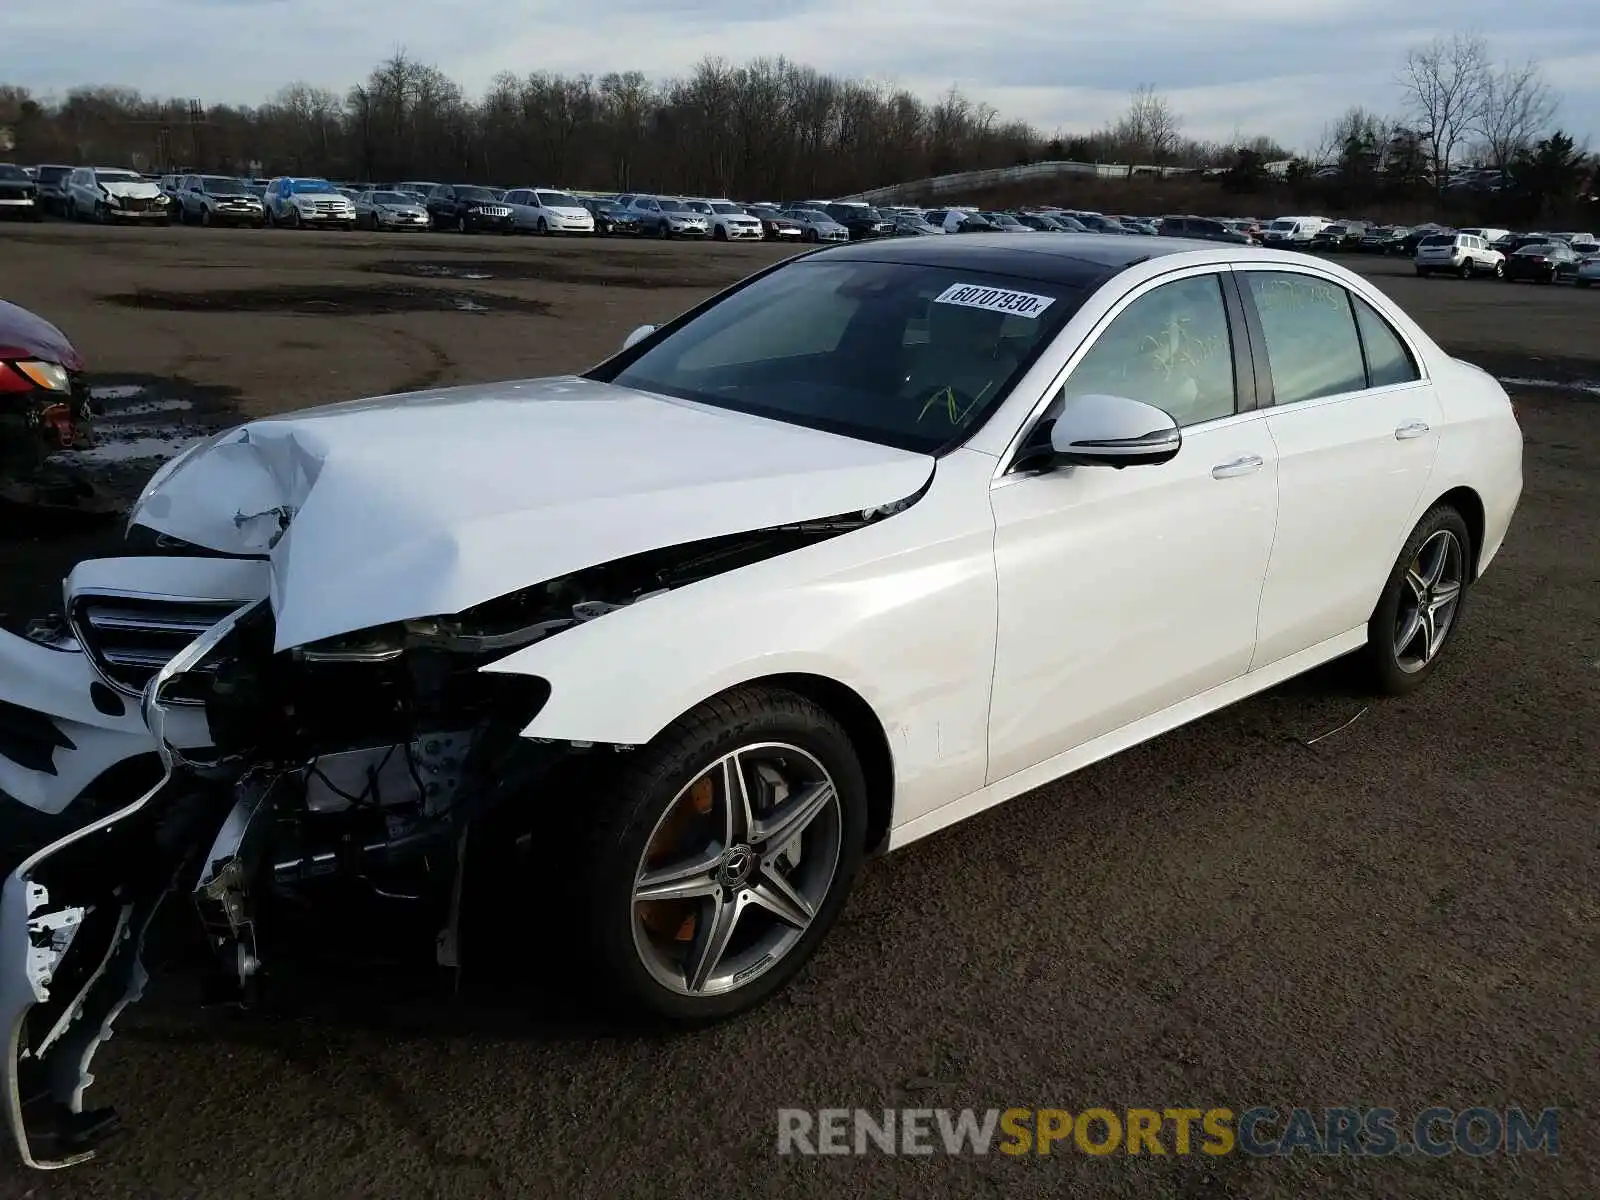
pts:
[44, 399]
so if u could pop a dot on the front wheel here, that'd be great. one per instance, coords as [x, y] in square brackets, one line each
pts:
[543, 228]
[1499, 270]
[722, 855]
[1420, 607]
[1421, 273]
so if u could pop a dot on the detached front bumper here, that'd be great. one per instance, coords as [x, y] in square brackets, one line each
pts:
[153, 214]
[73, 918]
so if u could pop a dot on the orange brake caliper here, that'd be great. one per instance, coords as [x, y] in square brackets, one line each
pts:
[662, 917]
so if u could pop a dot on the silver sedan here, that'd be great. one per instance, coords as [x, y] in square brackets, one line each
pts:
[817, 225]
[391, 210]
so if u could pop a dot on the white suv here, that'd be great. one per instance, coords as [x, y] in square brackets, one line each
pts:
[299, 201]
[730, 223]
[1463, 254]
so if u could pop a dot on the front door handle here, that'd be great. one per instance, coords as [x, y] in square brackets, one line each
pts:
[1411, 429]
[1239, 466]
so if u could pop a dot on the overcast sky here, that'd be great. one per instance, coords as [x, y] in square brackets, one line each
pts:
[1280, 68]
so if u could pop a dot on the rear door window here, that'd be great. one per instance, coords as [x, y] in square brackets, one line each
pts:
[1310, 330]
[1389, 362]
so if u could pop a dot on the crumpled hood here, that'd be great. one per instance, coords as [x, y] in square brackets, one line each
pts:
[428, 503]
[132, 190]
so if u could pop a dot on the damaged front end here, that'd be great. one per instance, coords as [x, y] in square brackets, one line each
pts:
[73, 917]
[356, 764]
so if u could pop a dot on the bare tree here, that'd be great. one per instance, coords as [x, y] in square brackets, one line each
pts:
[1150, 126]
[1445, 83]
[1517, 106]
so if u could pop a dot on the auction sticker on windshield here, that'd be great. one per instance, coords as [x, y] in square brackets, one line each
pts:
[1016, 304]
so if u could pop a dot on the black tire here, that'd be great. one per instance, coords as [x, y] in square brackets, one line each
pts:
[542, 228]
[461, 224]
[1422, 273]
[630, 807]
[1500, 270]
[720, 234]
[1583, 283]
[1389, 670]
[1465, 270]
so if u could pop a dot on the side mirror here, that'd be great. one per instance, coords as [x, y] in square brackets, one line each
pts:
[1114, 431]
[637, 336]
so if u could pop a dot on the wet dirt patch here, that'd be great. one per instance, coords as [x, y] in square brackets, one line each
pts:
[137, 423]
[646, 272]
[340, 300]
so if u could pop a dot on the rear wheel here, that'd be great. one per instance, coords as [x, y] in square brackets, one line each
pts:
[1420, 607]
[723, 855]
[1465, 269]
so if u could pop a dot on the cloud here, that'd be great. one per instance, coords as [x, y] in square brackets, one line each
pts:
[1227, 65]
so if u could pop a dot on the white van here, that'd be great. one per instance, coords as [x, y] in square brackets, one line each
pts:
[1293, 231]
[1489, 235]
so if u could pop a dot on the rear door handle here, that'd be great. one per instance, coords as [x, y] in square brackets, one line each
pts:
[1239, 466]
[1411, 429]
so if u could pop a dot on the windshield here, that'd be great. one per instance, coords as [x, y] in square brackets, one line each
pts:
[7, 171]
[811, 214]
[1537, 249]
[677, 206]
[52, 174]
[302, 187]
[118, 177]
[1281, 224]
[731, 209]
[907, 355]
[1002, 219]
[480, 194]
[394, 198]
[220, 185]
[557, 200]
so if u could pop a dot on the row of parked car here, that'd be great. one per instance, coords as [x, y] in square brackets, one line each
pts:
[117, 194]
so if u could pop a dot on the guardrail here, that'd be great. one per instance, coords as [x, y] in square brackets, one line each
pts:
[942, 185]
[962, 181]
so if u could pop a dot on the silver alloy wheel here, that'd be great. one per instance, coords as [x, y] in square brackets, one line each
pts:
[1428, 601]
[736, 869]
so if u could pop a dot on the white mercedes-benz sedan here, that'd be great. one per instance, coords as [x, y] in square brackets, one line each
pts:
[876, 539]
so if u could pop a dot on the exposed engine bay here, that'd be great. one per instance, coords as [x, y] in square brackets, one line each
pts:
[359, 761]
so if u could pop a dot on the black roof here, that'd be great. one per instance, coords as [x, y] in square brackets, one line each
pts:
[1080, 259]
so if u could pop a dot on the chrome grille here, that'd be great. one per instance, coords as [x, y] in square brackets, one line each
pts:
[130, 638]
